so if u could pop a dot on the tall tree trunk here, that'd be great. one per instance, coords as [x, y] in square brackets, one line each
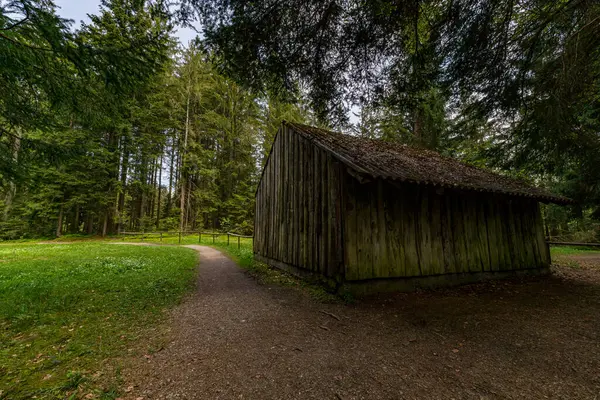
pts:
[12, 186]
[75, 225]
[170, 196]
[154, 182]
[182, 160]
[113, 175]
[59, 225]
[124, 170]
[89, 224]
[189, 198]
[105, 224]
[159, 192]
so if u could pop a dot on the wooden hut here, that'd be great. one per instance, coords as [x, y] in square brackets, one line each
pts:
[369, 214]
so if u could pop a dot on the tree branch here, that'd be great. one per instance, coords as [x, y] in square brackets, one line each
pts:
[8, 28]
[2, 35]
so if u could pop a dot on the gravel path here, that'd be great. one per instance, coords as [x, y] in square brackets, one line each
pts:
[237, 339]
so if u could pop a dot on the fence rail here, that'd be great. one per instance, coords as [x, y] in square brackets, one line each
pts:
[573, 244]
[164, 234]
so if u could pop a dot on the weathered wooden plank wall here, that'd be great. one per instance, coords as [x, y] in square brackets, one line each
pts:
[313, 215]
[298, 207]
[406, 230]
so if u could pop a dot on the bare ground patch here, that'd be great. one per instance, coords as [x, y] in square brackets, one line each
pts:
[234, 338]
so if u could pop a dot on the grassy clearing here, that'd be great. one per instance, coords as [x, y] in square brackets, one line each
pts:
[68, 313]
[569, 251]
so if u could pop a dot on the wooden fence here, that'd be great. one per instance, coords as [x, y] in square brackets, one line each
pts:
[214, 235]
[161, 235]
[551, 243]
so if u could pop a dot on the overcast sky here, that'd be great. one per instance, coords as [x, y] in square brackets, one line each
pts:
[77, 10]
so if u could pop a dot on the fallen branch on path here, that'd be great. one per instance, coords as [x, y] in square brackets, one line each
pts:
[331, 315]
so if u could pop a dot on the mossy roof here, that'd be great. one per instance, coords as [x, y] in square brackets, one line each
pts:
[393, 161]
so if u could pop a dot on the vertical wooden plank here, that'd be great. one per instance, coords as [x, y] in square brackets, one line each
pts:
[365, 244]
[460, 239]
[285, 256]
[329, 249]
[277, 195]
[364, 240]
[516, 235]
[509, 233]
[490, 215]
[384, 264]
[528, 232]
[352, 268]
[271, 195]
[411, 235]
[317, 214]
[482, 236]
[306, 199]
[377, 269]
[332, 250]
[284, 237]
[258, 228]
[310, 208]
[470, 225]
[540, 237]
[448, 244]
[435, 227]
[265, 207]
[423, 222]
[301, 176]
[324, 184]
[502, 244]
[273, 198]
[393, 229]
[529, 229]
[285, 223]
[299, 206]
[313, 207]
[336, 218]
[314, 214]
[293, 205]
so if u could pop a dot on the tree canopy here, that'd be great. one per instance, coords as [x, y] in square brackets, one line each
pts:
[509, 84]
[114, 126]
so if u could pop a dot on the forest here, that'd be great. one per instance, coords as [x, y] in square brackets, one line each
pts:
[115, 126]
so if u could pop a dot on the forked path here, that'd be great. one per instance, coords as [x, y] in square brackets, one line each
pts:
[237, 339]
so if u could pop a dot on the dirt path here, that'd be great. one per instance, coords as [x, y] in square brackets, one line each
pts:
[236, 339]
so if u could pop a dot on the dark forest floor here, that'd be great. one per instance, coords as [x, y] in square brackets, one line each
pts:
[237, 339]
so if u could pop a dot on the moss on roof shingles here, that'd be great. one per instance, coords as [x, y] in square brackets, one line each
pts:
[386, 160]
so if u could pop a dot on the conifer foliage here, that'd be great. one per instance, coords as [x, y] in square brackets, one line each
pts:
[113, 127]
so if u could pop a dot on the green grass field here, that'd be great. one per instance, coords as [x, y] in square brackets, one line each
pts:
[68, 313]
[568, 250]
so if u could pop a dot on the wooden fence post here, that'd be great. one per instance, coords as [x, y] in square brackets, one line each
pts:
[238, 242]
[213, 238]
[161, 236]
[179, 237]
[199, 237]
[227, 239]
